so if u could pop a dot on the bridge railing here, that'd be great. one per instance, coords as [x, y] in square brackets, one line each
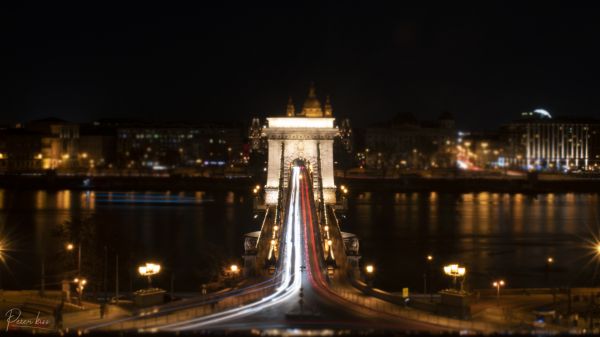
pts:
[160, 316]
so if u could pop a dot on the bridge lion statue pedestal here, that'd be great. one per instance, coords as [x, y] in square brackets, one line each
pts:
[250, 253]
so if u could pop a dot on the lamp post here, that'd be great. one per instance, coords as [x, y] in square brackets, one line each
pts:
[70, 247]
[427, 275]
[369, 269]
[497, 285]
[79, 286]
[234, 270]
[148, 270]
[549, 263]
[455, 271]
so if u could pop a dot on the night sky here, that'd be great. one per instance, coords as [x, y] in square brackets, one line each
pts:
[89, 60]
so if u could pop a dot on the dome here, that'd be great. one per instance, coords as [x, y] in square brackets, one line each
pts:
[312, 105]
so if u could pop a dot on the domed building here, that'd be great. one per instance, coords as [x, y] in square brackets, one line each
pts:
[311, 107]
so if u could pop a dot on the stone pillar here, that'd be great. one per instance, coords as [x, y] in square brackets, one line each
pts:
[250, 265]
[273, 169]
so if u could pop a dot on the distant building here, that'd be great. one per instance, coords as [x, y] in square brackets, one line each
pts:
[537, 141]
[405, 142]
[21, 150]
[97, 146]
[481, 150]
[171, 145]
[59, 142]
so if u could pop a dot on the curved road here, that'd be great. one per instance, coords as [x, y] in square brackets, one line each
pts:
[302, 281]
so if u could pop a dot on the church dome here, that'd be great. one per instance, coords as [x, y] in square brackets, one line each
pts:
[312, 105]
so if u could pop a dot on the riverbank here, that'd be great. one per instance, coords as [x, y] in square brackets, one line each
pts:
[466, 184]
[142, 183]
[407, 183]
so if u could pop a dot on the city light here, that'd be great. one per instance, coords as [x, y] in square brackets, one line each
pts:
[542, 113]
[234, 268]
[149, 269]
[80, 285]
[369, 269]
[70, 246]
[300, 122]
[497, 285]
[455, 271]
[550, 260]
[429, 257]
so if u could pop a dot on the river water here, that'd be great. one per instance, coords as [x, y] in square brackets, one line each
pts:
[508, 236]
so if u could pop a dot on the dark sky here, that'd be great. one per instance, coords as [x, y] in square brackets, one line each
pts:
[88, 60]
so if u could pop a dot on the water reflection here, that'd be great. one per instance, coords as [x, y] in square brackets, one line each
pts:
[183, 230]
[507, 235]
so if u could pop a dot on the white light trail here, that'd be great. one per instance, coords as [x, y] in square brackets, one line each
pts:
[291, 270]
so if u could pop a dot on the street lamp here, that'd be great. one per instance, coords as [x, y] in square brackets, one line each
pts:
[80, 284]
[427, 273]
[70, 247]
[497, 285]
[148, 270]
[455, 271]
[369, 271]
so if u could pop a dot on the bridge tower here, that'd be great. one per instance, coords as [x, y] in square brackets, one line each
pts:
[306, 135]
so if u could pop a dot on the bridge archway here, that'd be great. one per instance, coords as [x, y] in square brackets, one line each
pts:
[296, 140]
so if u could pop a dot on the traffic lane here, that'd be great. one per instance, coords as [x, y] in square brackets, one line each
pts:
[326, 298]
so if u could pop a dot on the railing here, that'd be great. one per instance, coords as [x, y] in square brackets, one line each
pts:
[375, 303]
[154, 317]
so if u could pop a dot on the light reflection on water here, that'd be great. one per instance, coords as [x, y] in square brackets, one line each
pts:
[494, 235]
[180, 229]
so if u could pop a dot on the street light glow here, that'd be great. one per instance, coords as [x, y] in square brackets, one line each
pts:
[149, 269]
[498, 283]
[429, 257]
[234, 268]
[370, 269]
[70, 246]
[550, 259]
[455, 270]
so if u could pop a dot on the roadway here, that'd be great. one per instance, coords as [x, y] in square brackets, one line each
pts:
[302, 274]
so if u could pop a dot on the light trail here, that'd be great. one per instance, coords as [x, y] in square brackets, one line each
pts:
[291, 282]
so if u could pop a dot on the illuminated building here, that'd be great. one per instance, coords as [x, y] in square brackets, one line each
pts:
[537, 141]
[20, 150]
[160, 146]
[59, 140]
[307, 135]
[97, 146]
[405, 142]
[481, 150]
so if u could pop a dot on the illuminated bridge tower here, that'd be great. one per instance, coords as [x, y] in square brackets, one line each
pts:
[307, 135]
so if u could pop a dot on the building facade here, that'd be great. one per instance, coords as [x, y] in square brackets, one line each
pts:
[406, 143]
[166, 146]
[545, 143]
[307, 135]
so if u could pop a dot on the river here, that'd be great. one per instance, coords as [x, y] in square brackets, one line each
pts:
[495, 235]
